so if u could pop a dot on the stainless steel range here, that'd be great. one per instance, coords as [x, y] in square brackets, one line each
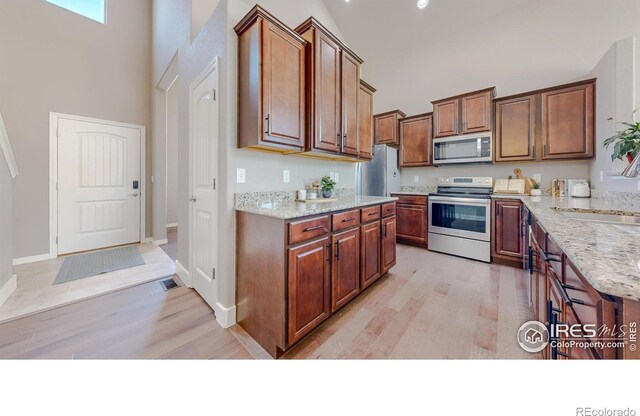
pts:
[460, 217]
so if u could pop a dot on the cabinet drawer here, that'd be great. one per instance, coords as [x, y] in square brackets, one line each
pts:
[389, 209]
[304, 230]
[411, 199]
[370, 213]
[346, 220]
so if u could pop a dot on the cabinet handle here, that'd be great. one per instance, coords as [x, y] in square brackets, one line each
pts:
[338, 250]
[317, 227]
[268, 122]
[371, 214]
[563, 292]
[385, 230]
[549, 259]
[349, 219]
[328, 252]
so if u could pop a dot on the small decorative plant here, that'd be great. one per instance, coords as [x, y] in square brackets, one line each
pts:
[327, 186]
[536, 185]
[536, 188]
[627, 142]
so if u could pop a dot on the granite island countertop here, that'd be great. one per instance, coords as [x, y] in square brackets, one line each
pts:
[607, 255]
[286, 210]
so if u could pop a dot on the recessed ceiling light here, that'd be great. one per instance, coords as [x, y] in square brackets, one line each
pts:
[422, 3]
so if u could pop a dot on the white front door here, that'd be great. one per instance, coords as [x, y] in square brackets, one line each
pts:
[204, 200]
[98, 168]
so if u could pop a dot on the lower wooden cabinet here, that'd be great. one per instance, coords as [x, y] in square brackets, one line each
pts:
[507, 242]
[345, 276]
[412, 215]
[294, 274]
[308, 284]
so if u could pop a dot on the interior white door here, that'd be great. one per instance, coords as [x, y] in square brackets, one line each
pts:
[98, 205]
[204, 200]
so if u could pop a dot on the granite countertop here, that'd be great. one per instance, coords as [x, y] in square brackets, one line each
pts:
[411, 193]
[286, 210]
[607, 255]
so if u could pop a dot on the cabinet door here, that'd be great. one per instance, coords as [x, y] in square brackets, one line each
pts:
[350, 91]
[416, 141]
[365, 122]
[370, 253]
[345, 280]
[309, 288]
[412, 223]
[507, 241]
[328, 95]
[516, 129]
[476, 112]
[386, 129]
[283, 77]
[446, 117]
[388, 251]
[568, 123]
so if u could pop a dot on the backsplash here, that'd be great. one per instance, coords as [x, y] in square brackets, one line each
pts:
[280, 197]
[419, 189]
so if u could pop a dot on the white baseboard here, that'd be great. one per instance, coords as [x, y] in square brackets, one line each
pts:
[172, 224]
[148, 240]
[183, 274]
[226, 317]
[8, 288]
[31, 259]
[160, 242]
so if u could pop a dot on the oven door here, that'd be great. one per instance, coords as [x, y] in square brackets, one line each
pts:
[460, 217]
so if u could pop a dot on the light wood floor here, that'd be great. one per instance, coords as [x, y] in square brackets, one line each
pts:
[430, 306]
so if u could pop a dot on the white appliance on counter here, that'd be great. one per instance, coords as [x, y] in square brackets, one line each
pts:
[470, 148]
[578, 188]
[460, 217]
[381, 176]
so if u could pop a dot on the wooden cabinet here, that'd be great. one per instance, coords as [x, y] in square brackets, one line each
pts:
[568, 122]
[387, 127]
[552, 124]
[365, 120]
[412, 220]
[507, 228]
[516, 129]
[345, 280]
[298, 272]
[271, 84]
[308, 287]
[416, 140]
[333, 84]
[463, 114]
[388, 251]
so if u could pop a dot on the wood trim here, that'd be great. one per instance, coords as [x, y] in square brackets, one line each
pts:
[256, 12]
[400, 113]
[312, 22]
[466, 94]
[548, 89]
[417, 116]
[367, 86]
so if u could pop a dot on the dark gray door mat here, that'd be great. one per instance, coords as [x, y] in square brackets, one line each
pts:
[99, 262]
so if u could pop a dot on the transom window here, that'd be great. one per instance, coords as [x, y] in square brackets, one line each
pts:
[93, 9]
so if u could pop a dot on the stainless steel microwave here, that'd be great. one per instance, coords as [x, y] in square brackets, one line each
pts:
[470, 148]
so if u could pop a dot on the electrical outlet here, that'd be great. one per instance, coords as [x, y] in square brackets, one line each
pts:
[638, 185]
[602, 178]
[285, 176]
[241, 176]
[336, 177]
[537, 177]
[416, 179]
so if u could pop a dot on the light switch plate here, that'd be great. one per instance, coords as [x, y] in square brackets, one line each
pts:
[416, 179]
[241, 175]
[336, 177]
[286, 178]
[602, 177]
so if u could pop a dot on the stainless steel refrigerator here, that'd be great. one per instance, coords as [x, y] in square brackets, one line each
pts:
[381, 176]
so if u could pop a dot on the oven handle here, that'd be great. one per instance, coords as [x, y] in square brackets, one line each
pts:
[470, 201]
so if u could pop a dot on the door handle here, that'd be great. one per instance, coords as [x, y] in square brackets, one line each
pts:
[136, 194]
[192, 199]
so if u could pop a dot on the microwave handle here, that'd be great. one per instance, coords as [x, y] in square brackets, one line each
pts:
[479, 147]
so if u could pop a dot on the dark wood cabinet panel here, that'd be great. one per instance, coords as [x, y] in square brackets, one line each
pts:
[328, 95]
[346, 220]
[476, 112]
[515, 129]
[350, 92]
[365, 120]
[370, 253]
[568, 125]
[309, 288]
[387, 128]
[388, 209]
[446, 118]
[308, 229]
[416, 140]
[345, 276]
[388, 251]
[412, 224]
[271, 81]
[369, 214]
[507, 241]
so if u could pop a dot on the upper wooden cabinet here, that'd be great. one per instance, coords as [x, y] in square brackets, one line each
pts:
[568, 122]
[365, 120]
[271, 84]
[516, 130]
[333, 84]
[551, 124]
[416, 138]
[463, 114]
[387, 127]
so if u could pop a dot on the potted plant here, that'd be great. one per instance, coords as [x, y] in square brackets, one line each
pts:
[536, 189]
[627, 142]
[327, 186]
